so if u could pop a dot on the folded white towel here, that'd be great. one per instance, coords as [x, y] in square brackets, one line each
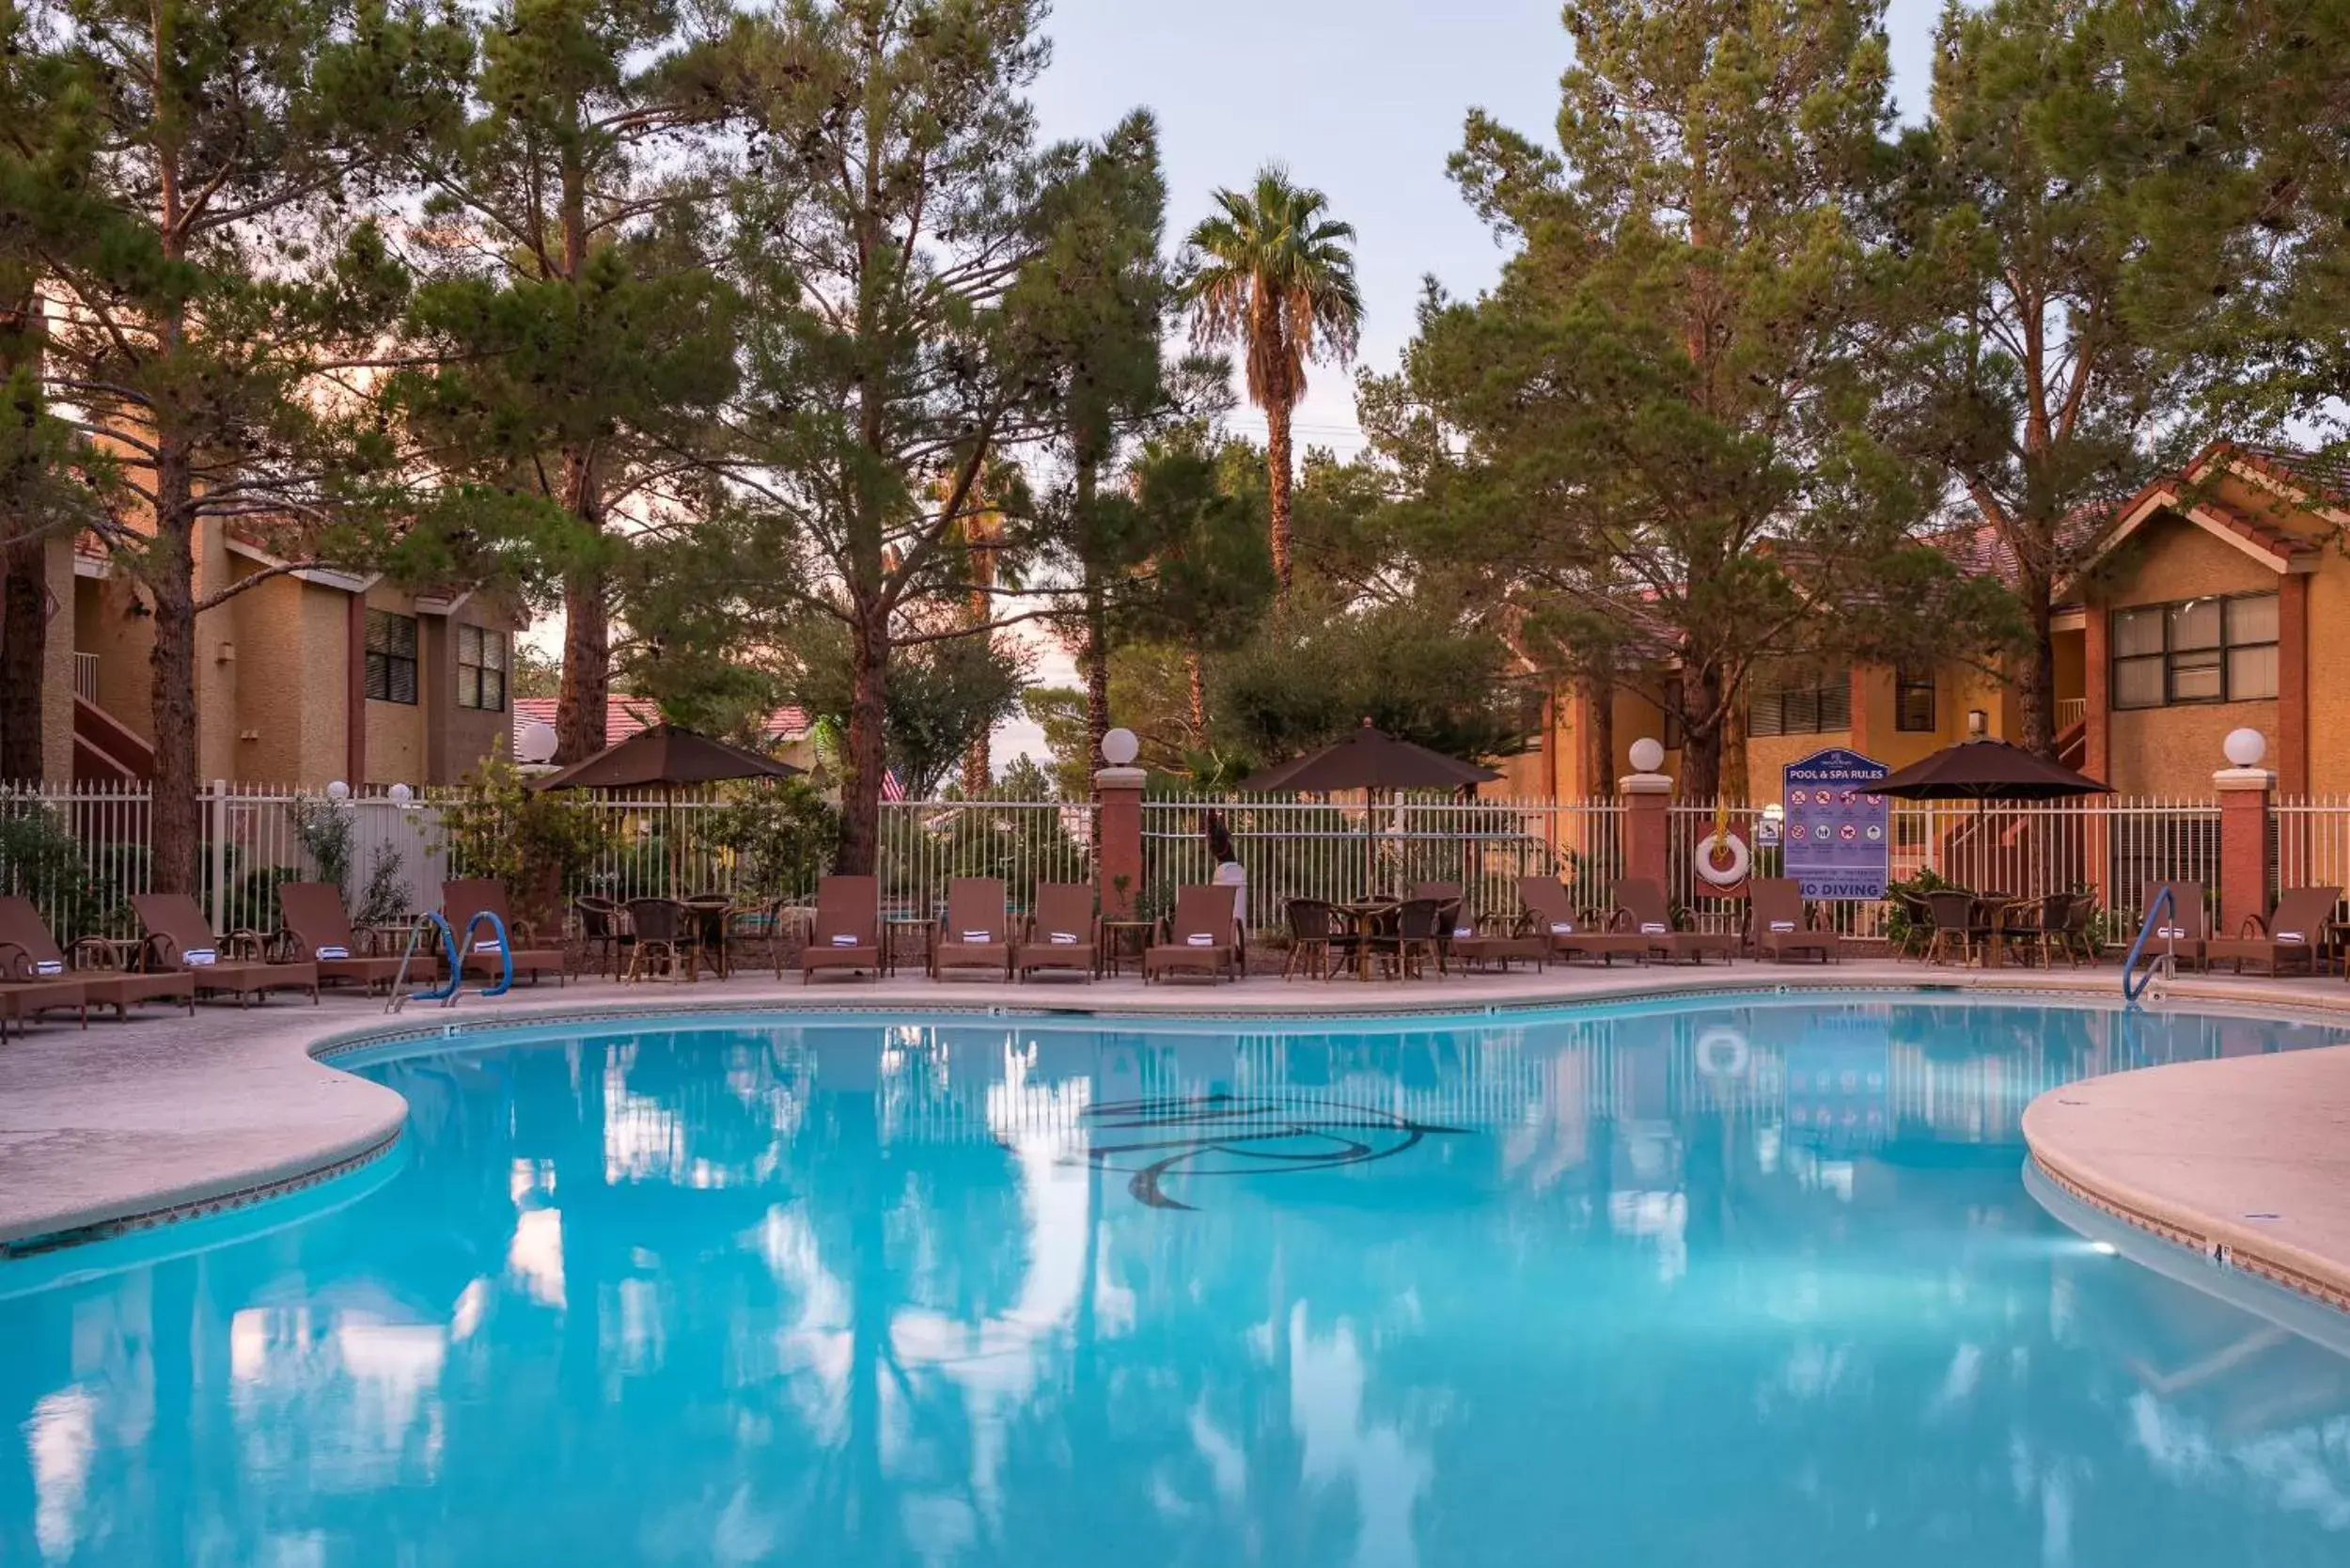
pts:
[198, 957]
[2291, 936]
[1463, 931]
[331, 951]
[2170, 931]
[490, 945]
[844, 940]
[1562, 928]
[1782, 925]
[1064, 939]
[1200, 939]
[48, 966]
[978, 936]
[1652, 927]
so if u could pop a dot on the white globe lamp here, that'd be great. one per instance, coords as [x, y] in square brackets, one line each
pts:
[1647, 754]
[1119, 748]
[400, 795]
[338, 792]
[2245, 748]
[535, 744]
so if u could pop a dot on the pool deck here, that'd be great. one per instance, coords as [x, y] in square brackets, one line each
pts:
[131, 1124]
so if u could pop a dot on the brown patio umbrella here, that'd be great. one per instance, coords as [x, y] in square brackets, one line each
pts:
[1986, 770]
[1370, 759]
[666, 755]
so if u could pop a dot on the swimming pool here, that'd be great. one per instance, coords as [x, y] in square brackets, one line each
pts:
[1734, 1281]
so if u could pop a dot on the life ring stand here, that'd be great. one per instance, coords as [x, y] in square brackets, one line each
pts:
[1740, 859]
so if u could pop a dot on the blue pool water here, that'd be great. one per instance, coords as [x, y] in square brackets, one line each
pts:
[1738, 1283]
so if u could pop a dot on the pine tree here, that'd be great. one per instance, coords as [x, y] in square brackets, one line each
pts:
[578, 334]
[212, 291]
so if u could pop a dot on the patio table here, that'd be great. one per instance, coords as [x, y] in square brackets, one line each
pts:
[1362, 918]
[1125, 939]
[924, 928]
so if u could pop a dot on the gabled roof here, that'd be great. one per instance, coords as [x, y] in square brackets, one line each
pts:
[2268, 542]
[2321, 476]
[624, 716]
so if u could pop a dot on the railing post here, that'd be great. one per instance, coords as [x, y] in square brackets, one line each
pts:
[218, 818]
[2247, 791]
[1648, 801]
[1118, 839]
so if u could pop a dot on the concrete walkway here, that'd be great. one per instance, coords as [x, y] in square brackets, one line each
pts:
[135, 1123]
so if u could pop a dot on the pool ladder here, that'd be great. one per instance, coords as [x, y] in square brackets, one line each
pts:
[454, 953]
[2164, 965]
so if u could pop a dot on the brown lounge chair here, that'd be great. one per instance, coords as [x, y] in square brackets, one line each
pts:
[30, 985]
[978, 930]
[1062, 932]
[1552, 919]
[1780, 924]
[847, 931]
[1202, 937]
[1651, 919]
[2295, 931]
[179, 938]
[467, 897]
[23, 932]
[318, 930]
[2185, 926]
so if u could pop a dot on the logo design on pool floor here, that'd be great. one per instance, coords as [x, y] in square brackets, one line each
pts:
[1227, 1135]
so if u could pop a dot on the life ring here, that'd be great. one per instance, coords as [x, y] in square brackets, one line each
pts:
[1722, 1053]
[1738, 860]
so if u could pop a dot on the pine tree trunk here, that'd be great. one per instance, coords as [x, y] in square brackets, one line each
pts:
[24, 649]
[1097, 648]
[978, 769]
[582, 699]
[1737, 783]
[1600, 754]
[2035, 675]
[1276, 420]
[1701, 734]
[1097, 673]
[866, 758]
[178, 829]
[1196, 685]
[23, 580]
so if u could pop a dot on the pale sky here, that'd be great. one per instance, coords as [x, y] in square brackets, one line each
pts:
[1363, 100]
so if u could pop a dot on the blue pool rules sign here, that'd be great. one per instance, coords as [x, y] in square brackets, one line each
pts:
[1839, 840]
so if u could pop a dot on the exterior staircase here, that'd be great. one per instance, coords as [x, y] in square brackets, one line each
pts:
[106, 750]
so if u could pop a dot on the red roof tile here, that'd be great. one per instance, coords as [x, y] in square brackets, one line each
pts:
[624, 716]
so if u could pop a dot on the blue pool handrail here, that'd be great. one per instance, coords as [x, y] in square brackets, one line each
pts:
[456, 965]
[506, 951]
[2132, 984]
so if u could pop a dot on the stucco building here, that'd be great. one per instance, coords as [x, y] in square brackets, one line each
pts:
[2218, 599]
[305, 677]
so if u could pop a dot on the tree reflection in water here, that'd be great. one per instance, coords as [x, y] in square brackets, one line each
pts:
[1662, 1287]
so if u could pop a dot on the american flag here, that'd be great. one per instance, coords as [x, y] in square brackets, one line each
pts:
[891, 788]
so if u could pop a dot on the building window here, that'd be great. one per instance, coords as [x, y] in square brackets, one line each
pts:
[1913, 701]
[391, 657]
[1808, 707]
[2196, 651]
[480, 668]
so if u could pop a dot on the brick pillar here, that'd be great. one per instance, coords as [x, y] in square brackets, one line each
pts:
[1119, 826]
[2245, 872]
[1646, 796]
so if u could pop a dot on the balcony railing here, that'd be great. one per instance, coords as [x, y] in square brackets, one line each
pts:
[86, 677]
[2070, 712]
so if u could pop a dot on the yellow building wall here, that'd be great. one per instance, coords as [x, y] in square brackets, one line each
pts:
[2330, 676]
[2174, 750]
[395, 729]
[289, 682]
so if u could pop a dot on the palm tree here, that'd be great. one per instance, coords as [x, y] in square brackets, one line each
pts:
[1273, 273]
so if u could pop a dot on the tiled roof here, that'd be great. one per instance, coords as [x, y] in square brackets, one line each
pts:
[2268, 536]
[2326, 472]
[624, 716]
